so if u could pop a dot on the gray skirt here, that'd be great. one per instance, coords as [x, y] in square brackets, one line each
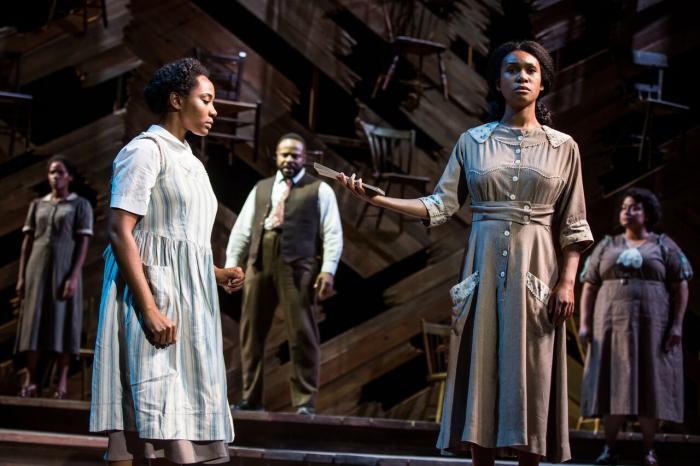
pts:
[126, 445]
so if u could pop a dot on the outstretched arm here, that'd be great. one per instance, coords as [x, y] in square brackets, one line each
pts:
[413, 207]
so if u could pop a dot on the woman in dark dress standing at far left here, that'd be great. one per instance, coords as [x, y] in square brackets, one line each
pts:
[49, 284]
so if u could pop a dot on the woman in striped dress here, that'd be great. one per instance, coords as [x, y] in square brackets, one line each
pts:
[159, 381]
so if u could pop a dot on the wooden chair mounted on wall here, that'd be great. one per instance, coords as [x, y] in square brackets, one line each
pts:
[15, 107]
[436, 342]
[391, 152]
[408, 33]
[85, 3]
[229, 120]
[650, 97]
[636, 155]
[226, 72]
[16, 110]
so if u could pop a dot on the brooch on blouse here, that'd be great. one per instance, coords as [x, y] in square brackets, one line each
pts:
[631, 258]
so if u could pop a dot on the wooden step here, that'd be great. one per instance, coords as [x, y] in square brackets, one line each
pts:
[356, 437]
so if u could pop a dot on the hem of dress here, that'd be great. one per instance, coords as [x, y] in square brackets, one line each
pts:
[506, 448]
[126, 445]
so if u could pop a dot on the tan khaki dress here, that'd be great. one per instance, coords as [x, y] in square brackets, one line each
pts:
[506, 382]
[627, 370]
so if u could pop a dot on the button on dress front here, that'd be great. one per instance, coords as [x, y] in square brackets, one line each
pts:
[178, 392]
[506, 382]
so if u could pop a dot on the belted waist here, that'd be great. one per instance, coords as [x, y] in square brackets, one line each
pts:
[522, 212]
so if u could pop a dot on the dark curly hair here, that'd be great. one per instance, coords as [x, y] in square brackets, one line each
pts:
[651, 204]
[544, 116]
[179, 76]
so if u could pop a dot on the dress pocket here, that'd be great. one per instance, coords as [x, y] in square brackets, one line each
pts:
[149, 364]
[159, 280]
[461, 294]
[537, 304]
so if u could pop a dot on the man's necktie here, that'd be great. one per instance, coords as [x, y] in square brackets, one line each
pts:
[277, 217]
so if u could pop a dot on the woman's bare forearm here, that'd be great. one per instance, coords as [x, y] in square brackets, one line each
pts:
[679, 300]
[25, 252]
[126, 253]
[588, 295]
[413, 207]
[569, 266]
[80, 254]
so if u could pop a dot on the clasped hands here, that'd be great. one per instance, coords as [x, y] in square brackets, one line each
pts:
[231, 279]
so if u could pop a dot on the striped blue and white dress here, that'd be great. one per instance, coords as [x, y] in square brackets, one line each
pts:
[178, 392]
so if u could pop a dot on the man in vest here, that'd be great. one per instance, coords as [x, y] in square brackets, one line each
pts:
[283, 223]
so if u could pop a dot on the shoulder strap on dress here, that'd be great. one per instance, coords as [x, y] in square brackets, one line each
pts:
[146, 135]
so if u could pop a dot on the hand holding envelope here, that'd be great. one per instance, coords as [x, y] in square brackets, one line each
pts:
[330, 173]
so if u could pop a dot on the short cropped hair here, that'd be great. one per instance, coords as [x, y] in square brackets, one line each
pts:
[179, 76]
[294, 136]
[67, 163]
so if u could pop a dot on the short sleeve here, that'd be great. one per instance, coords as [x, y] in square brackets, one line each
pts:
[83, 218]
[591, 266]
[134, 173]
[678, 267]
[451, 190]
[30, 222]
[571, 207]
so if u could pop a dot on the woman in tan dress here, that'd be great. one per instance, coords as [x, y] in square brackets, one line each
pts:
[506, 382]
[634, 298]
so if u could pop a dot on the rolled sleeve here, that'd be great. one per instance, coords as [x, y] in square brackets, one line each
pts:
[571, 208]
[451, 190]
[135, 171]
[83, 218]
[437, 214]
[678, 266]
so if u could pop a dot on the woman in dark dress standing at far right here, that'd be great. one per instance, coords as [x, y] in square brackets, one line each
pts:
[634, 298]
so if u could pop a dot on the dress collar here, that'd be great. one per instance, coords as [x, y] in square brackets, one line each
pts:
[168, 137]
[510, 135]
[70, 197]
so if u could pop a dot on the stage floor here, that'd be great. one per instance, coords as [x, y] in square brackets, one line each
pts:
[46, 425]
